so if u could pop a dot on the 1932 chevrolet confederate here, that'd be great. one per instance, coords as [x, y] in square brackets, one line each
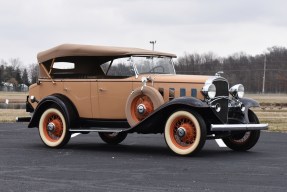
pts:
[115, 91]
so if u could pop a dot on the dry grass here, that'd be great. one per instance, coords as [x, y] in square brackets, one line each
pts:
[277, 119]
[15, 97]
[9, 115]
[273, 111]
[268, 98]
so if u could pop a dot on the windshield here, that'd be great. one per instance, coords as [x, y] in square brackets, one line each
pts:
[130, 66]
[154, 65]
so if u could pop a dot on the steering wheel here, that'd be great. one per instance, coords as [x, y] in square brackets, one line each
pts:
[159, 66]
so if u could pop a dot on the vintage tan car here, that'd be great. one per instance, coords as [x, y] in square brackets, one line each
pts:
[115, 91]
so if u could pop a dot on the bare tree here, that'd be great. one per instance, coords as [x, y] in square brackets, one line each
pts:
[33, 72]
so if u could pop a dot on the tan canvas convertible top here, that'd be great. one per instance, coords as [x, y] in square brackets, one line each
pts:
[93, 50]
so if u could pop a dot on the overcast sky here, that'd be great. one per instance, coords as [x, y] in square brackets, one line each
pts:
[178, 26]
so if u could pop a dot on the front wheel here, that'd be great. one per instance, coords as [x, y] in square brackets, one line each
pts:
[243, 141]
[53, 128]
[113, 138]
[185, 132]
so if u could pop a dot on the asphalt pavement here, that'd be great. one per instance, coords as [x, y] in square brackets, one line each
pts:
[140, 163]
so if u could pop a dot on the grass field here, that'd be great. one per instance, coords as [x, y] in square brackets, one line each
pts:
[9, 115]
[271, 100]
[273, 111]
[277, 119]
[14, 97]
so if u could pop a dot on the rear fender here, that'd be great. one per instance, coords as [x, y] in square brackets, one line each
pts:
[63, 103]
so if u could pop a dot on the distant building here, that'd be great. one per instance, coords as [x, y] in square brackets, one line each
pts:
[23, 88]
[5, 86]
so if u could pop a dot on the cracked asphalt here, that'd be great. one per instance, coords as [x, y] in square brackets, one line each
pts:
[140, 163]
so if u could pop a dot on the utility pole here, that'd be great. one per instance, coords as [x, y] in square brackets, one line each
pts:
[152, 42]
[264, 73]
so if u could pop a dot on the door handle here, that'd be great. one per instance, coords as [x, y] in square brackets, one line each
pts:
[101, 89]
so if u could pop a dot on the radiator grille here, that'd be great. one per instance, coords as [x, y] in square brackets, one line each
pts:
[221, 88]
[222, 99]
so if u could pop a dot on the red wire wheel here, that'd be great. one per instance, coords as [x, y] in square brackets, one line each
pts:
[141, 103]
[113, 138]
[53, 128]
[146, 105]
[243, 141]
[185, 132]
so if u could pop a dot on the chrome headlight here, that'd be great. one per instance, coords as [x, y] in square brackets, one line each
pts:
[237, 91]
[209, 91]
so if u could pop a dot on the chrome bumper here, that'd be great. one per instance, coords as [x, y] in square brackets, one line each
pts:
[238, 127]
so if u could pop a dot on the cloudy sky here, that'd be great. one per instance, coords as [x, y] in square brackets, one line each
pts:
[178, 26]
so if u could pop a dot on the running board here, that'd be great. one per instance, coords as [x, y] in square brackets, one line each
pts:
[97, 129]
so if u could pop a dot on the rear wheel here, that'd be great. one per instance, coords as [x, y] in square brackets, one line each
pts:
[243, 141]
[113, 138]
[185, 132]
[53, 128]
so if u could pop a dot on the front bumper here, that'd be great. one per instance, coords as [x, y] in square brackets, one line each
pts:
[238, 127]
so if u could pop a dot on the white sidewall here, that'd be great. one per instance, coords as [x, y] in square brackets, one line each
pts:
[167, 135]
[41, 128]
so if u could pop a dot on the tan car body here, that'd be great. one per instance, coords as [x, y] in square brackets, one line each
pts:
[106, 98]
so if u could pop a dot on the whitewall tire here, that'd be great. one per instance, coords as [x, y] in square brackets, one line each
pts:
[185, 132]
[53, 128]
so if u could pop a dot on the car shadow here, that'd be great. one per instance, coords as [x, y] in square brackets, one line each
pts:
[120, 149]
[152, 150]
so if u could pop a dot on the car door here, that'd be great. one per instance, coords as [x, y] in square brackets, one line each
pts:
[79, 92]
[113, 94]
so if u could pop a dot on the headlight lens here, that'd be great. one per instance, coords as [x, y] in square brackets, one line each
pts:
[237, 91]
[209, 91]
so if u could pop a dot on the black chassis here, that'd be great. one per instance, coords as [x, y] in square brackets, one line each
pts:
[150, 124]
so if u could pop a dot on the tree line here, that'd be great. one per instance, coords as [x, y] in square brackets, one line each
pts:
[14, 75]
[238, 68]
[241, 68]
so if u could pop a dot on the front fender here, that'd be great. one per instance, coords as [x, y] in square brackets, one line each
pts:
[190, 101]
[155, 122]
[237, 116]
[249, 102]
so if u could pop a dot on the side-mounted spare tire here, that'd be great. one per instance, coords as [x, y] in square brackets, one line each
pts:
[141, 103]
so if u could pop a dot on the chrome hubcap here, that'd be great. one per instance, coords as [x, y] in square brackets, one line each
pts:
[181, 132]
[141, 109]
[51, 127]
